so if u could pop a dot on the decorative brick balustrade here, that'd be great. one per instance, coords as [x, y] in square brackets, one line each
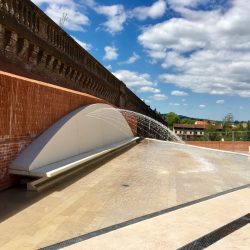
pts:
[31, 40]
[33, 46]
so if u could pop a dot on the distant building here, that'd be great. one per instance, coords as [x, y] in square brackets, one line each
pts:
[192, 131]
[244, 124]
[201, 123]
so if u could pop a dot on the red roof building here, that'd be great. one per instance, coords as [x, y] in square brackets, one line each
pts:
[192, 131]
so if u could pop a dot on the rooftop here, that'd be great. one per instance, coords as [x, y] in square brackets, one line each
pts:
[148, 190]
[196, 126]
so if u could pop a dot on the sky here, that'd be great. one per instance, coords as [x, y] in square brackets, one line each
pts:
[191, 57]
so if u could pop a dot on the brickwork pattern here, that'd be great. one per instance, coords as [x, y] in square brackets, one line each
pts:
[237, 146]
[27, 108]
[37, 46]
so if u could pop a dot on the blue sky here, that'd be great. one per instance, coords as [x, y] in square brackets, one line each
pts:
[191, 57]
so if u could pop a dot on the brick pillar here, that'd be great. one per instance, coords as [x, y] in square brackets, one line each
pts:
[2, 32]
[33, 55]
[24, 45]
[11, 45]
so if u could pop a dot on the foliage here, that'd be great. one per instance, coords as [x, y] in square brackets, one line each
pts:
[212, 134]
[187, 121]
[228, 121]
[172, 118]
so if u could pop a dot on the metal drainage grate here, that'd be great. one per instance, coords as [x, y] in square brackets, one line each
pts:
[218, 234]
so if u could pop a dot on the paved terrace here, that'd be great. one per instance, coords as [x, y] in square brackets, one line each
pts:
[175, 193]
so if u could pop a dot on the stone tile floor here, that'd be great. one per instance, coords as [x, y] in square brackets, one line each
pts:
[149, 177]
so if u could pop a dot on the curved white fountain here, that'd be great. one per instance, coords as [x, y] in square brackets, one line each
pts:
[141, 125]
[76, 138]
[83, 135]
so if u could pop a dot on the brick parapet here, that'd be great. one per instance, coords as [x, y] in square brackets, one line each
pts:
[27, 108]
[31, 40]
[237, 146]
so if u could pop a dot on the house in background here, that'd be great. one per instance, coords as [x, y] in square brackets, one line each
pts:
[189, 132]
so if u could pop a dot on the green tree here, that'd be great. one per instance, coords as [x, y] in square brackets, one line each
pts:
[228, 122]
[212, 134]
[187, 121]
[172, 118]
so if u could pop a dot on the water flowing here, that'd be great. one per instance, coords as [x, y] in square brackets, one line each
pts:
[141, 125]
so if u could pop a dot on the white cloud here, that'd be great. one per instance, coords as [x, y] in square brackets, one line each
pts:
[202, 106]
[115, 14]
[178, 93]
[148, 89]
[86, 46]
[154, 11]
[109, 67]
[174, 104]
[208, 51]
[110, 53]
[131, 59]
[116, 17]
[158, 97]
[220, 101]
[134, 79]
[75, 19]
[183, 6]
[63, 2]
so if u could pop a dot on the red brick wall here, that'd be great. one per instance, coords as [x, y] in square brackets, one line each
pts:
[237, 146]
[27, 108]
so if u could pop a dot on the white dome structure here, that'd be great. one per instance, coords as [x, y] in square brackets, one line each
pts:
[76, 138]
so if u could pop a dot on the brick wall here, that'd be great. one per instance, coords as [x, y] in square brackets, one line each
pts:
[27, 108]
[237, 146]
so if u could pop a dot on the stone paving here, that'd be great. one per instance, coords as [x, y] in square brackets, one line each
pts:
[150, 177]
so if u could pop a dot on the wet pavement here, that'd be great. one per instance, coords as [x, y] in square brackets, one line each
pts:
[147, 178]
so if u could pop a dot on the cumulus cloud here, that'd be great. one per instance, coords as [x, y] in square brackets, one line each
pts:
[140, 82]
[174, 104]
[205, 51]
[110, 53]
[133, 78]
[75, 19]
[154, 11]
[132, 59]
[149, 89]
[178, 93]
[86, 46]
[202, 106]
[159, 97]
[117, 15]
[220, 101]
[64, 2]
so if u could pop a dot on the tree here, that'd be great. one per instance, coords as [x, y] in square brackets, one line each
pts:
[228, 121]
[212, 133]
[63, 19]
[172, 118]
[187, 121]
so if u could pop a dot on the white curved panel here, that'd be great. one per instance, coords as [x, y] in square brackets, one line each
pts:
[83, 130]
